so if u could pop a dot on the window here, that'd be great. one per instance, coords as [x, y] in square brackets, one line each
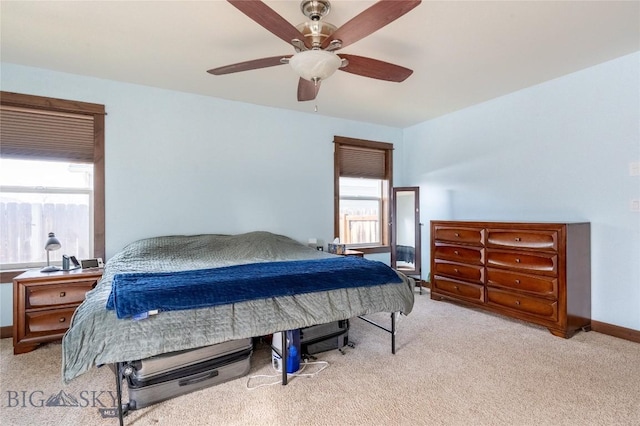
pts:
[38, 197]
[362, 193]
[51, 179]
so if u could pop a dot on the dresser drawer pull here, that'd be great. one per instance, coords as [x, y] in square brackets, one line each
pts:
[517, 238]
[517, 302]
[456, 287]
[517, 281]
[457, 235]
[456, 270]
[62, 319]
[63, 294]
[456, 252]
[517, 260]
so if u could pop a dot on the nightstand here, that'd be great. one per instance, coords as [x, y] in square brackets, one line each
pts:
[43, 304]
[355, 253]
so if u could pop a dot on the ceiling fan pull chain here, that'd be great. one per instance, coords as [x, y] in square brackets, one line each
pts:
[315, 84]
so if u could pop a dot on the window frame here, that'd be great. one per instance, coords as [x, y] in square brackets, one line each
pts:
[385, 219]
[97, 111]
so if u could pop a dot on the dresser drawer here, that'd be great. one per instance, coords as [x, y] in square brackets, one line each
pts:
[459, 289]
[541, 308]
[473, 273]
[525, 239]
[535, 284]
[472, 255]
[459, 235]
[58, 294]
[537, 262]
[54, 320]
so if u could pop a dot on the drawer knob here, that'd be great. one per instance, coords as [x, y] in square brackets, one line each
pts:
[517, 302]
[517, 238]
[63, 294]
[456, 287]
[457, 235]
[517, 281]
[62, 319]
[517, 260]
[456, 252]
[456, 270]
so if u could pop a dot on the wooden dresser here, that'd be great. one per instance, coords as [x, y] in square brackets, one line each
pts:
[43, 304]
[536, 272]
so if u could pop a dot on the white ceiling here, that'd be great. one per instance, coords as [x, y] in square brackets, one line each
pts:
[462, 52]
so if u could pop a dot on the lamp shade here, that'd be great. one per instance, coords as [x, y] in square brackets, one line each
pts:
[52, 243]
[315, 65]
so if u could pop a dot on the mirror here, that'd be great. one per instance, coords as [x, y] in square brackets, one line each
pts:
[405, 231]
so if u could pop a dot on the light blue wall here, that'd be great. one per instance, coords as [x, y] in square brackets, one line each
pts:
[558, 151]
[178, 163]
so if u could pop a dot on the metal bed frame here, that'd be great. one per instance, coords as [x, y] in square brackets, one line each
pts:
[283, 354]
[121, 371]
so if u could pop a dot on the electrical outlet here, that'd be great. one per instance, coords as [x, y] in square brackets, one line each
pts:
[635, 205]
[634, 168]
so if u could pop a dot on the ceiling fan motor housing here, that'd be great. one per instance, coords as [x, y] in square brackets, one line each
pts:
[315, 32]
[315, 9]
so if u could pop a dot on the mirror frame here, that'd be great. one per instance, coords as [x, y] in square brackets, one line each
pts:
[417, 270]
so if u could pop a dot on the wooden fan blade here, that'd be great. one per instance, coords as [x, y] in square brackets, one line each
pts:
[248, 65]
[371, 20]
[307, 90]
[269, 19]
[374, 68]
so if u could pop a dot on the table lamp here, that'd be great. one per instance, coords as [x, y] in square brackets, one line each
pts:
[52, 244]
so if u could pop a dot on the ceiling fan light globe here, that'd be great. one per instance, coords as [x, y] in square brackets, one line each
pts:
[315, 65]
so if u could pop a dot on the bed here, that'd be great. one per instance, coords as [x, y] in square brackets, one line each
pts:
[96, 336]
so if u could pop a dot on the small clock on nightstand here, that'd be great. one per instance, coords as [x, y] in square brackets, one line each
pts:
[43, 304]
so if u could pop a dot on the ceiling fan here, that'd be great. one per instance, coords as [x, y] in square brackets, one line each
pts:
[316, 41]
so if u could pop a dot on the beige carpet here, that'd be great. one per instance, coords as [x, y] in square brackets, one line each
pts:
[454, 366]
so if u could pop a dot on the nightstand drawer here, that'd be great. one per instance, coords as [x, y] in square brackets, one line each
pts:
[58, 294]
[56, 320]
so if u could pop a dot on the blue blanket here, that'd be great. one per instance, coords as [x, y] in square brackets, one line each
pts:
[138, 293]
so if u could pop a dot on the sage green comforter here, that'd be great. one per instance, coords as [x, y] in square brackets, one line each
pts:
[97, 337]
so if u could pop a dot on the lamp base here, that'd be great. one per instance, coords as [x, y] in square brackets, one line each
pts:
[50, 269]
